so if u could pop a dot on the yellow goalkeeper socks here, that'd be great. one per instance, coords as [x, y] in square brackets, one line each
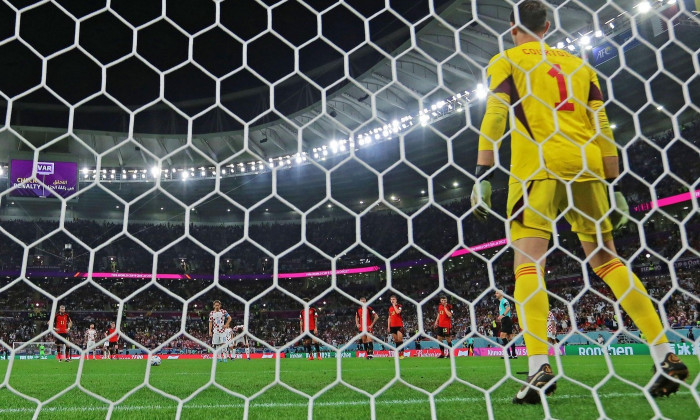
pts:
[636, 303]
[532, 304]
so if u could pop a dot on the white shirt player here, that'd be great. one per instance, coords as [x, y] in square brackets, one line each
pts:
[218, 320]
[551, 325]
[217, 323]
[231, 332]
[233, 343]
[90, 336]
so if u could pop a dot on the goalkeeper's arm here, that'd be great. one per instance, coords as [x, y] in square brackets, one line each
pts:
[620, 217]
[605, 141]
[492, 128]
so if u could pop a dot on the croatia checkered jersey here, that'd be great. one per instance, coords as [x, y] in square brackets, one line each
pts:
[218, 320]
[90, 334]
[551, 323]
[232, 332]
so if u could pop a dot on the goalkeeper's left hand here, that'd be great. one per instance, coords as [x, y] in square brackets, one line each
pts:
[481, 203]
[620, 214]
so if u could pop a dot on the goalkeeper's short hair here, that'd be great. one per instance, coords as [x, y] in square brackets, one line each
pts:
[532, 15]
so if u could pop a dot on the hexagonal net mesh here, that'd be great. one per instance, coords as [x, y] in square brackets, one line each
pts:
[287, 159]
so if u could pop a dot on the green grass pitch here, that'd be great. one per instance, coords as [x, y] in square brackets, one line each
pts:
[113, 379]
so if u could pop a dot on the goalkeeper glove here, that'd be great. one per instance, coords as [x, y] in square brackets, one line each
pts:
[481, 202]
[621, 210]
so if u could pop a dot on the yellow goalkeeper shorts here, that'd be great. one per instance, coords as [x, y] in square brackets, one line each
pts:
[533, 212]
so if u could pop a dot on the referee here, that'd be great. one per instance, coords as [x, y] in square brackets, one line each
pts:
[506, 333]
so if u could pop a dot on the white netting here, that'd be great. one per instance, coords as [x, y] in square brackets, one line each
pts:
[271, 152]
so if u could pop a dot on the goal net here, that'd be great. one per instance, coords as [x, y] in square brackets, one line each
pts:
[309, 167]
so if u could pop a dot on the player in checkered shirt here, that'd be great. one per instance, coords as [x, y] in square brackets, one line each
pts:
[552, 328]
[90, 337]
[234, 342]
[219, 321]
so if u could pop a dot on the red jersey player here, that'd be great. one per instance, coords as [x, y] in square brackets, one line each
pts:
[62, 327]
[113, 340]
[365, 318]
[312, 315]
[443, 325]
[395, 323]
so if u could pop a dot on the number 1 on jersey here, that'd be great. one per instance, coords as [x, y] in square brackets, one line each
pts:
[555, 72]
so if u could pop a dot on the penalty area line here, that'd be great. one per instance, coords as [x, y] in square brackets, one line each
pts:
[271, 405]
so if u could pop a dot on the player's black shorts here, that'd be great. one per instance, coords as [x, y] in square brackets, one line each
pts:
[114, 345]
[64, 336]
[506, 325]
[308, 337]
[443, 331]
[470, 346]
[395, 330]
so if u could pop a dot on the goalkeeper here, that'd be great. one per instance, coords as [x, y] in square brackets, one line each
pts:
[562, 149]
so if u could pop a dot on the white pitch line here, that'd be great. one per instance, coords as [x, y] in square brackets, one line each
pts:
[296, 405]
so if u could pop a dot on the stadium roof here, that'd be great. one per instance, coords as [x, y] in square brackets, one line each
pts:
[368, 68]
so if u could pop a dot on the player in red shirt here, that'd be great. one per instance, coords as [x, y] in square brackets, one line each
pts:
[395, 323]
[62, 327]
[443, 325]
[313, 328]
[364, 324]
[113, 336]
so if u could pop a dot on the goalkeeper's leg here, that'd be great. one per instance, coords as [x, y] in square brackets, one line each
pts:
[531, 299]
[630, 292]
[531, 209]
[635, 300]
[532, 305]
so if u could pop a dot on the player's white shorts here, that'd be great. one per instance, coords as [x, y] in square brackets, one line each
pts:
[218, 338]
[90, 344]
[240, 340]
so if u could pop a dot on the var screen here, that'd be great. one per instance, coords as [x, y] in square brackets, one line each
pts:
[61, 177]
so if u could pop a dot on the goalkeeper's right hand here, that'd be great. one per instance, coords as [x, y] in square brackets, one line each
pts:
[481, 202]
[620, 214]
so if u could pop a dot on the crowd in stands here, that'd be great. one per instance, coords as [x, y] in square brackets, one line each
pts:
[154, 314]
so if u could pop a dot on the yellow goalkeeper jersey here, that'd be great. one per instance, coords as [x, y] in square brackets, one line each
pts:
[555, 99]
